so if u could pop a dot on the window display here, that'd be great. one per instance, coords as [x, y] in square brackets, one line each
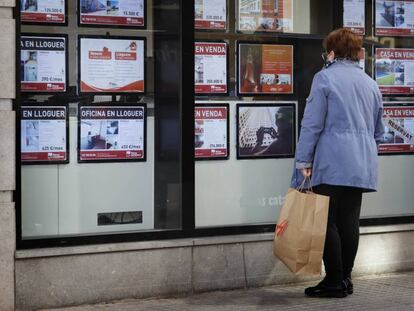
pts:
[265, 15]
[43, 12]
[354, 16]
[210, 14]
[394, 18]
[399, 129]
[266, 130]
[112, 133]
[120, 13]
[265, 69]
[111, 64]
[211, 131]
[43, 63]
[210, 67]
[394, 70]
[44, 134]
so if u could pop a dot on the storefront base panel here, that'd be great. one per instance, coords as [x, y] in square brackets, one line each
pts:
[89, 274]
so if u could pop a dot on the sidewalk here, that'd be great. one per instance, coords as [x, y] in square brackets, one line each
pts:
[384, 292]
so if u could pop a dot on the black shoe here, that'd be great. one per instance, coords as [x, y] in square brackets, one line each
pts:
[348, 286]
[325, 290]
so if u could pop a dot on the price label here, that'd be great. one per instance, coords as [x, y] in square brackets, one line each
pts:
[131, 13]
[53, 10]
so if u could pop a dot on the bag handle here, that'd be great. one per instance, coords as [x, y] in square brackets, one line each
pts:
[302, 185]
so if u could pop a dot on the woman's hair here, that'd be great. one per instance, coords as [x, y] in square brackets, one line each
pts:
[344, 43]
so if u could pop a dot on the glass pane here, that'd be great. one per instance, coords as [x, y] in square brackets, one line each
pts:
[99, 153]
[242, 188]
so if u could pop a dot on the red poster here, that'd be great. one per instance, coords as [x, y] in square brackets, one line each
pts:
[211, 133]
[265, 69]
[210, 67]
[399, 130]
[394, 70]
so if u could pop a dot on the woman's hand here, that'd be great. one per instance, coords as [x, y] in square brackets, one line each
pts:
[306, 172]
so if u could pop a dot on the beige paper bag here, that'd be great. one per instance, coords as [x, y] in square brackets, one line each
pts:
[300, 232]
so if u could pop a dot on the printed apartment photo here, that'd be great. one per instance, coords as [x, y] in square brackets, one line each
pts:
[30, 136]
[29, 66]
[99, 135]
[100, 7]
[265, 131]
[390, 14]
[389, 72]
[29, 5]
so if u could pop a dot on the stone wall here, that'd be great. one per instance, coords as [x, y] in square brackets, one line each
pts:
[102, 273]
[7, 154]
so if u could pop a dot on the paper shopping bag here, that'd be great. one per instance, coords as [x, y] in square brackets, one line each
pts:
[300, 232]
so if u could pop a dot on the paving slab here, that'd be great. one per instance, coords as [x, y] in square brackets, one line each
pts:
[382, 292]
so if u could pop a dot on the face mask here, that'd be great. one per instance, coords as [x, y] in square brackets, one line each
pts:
[326, 61]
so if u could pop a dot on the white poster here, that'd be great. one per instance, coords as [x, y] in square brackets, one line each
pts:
[111, 65]
[113, 12]
[43, 134]
[112, 133]
[210, 67]
[210, 14]
[394, 70]
[211, 131]
[43, 64]
[43, 11]
[399, 129]
[354, 16]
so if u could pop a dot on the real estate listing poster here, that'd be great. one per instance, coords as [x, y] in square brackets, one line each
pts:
[44, 134]
[265, 69]
[266, 130]
[112, 65]
[112, 133]
[394, 18]
[265, 15]
[354, 16]
[211, 131]
[399, 129]
[210, 14]
[43, 66]
[129, 13]
[43, 11]
[210, 69]
[394, 70]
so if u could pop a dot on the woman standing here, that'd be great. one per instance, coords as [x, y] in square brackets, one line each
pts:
[341, 128]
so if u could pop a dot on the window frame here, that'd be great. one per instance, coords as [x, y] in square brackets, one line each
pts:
[188, 228]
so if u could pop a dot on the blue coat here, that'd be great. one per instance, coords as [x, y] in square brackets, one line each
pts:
[341, 128]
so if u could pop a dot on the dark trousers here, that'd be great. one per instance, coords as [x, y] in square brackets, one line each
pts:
[342, 234]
